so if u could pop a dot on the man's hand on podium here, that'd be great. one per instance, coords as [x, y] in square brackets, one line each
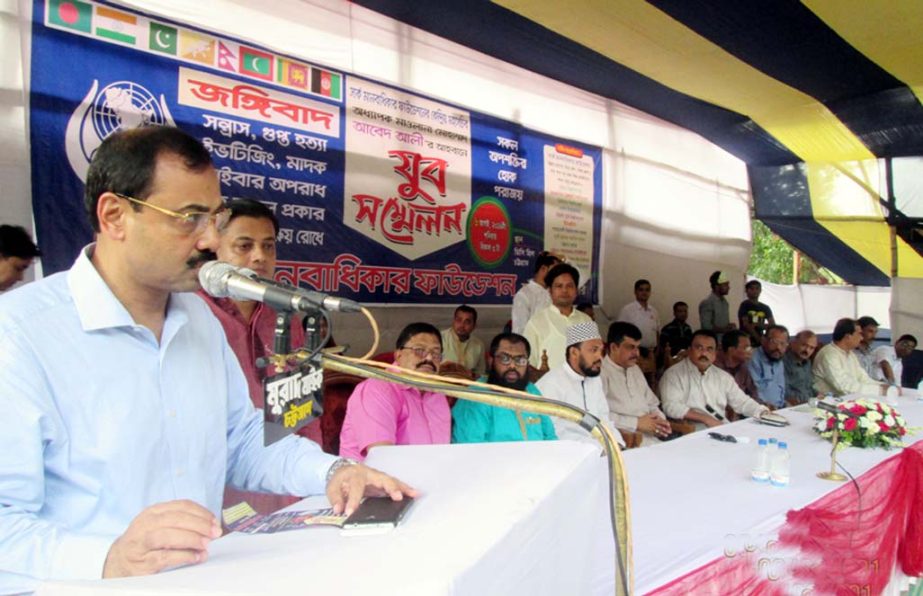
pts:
[350, 483]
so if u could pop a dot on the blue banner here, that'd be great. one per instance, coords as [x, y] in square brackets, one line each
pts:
[383, 195]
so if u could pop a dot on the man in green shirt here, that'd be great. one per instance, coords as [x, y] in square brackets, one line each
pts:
[474, 422]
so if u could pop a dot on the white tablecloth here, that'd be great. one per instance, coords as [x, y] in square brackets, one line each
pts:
[502, 518]
[692, 500]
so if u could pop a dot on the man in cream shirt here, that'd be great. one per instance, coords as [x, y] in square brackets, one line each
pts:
[836, 367]
[632, 404]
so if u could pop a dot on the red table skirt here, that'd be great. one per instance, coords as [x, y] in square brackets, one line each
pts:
[850, 541]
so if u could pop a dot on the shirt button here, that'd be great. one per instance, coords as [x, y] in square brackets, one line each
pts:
[171, 413]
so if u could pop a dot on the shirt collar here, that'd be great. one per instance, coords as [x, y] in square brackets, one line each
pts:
[572, 374]
[98, 308]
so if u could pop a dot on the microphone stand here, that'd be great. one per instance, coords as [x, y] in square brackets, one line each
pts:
[833, 474]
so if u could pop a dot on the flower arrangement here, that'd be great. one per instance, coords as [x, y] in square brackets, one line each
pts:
[872, 424]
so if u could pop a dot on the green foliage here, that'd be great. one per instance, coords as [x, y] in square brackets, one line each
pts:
[773, 260]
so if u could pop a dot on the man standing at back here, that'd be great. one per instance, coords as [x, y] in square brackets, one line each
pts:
[128, 411]
[754, 316]
[643, 315]
[248, 240]
[547, 329]
[713, 310]
[533, 296]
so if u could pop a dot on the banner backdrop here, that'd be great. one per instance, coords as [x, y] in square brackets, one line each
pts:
[383, 196]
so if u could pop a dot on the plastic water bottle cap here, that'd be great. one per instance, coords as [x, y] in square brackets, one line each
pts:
[783, 445]
[762, 441]
[772, 441]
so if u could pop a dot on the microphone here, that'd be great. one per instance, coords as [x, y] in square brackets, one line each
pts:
[832, 409]
[223, 280]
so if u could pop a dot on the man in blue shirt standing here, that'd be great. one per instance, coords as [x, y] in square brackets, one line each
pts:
[125, 410]
[474, 422]
[767, 368]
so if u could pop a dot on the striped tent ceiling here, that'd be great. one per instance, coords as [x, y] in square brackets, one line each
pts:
[821, 98]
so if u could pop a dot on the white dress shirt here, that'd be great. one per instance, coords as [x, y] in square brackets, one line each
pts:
[547, 330]
[531, 298]
[645, 319]
[101, 420]
[839, 372]
[562, 383]
[683, 387]
[887, 354]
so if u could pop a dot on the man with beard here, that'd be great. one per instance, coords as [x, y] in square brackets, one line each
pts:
[128, 411]
[767, 369]
[799, 375]
[632, 404]
[474, 422]
[385, 413]
[576, 382]
[699, 392]
[249, 240]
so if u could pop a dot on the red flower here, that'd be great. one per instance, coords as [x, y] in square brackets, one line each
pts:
[859, 409]
[883, 427]
[830, 423]
[902, 431]
[849, 424]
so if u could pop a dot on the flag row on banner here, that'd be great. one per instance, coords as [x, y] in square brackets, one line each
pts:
[188, 45]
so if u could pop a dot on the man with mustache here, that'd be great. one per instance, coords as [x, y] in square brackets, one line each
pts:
[766, 367]
[248, 240]
[837, 369]
[799, 374]
[127, 410]
[632, 404]
[699, 392]
[475, 422]
[385, 413]
[576, 382]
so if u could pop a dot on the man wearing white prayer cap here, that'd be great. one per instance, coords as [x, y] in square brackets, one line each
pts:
[576, 381]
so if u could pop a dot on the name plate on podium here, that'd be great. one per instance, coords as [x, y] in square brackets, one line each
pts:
[291, 400]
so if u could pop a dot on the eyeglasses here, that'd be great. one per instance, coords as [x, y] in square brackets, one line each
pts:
[725, 438]
[505, 359]
[435, 355]
[194, 222]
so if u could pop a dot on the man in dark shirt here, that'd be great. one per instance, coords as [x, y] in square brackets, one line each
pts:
[676, 335]
[799, 375]
[754, 316]
[734, 359]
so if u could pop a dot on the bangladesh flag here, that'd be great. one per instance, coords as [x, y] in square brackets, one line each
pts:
[325, 83]
[255, 63]
[70, 14]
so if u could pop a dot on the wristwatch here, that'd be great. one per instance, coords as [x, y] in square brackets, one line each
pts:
[339, 464]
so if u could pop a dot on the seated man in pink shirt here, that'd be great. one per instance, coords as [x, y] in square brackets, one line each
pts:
[384, 413]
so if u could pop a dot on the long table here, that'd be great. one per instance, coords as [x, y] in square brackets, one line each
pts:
[532, 518]
[697, 515]
[513, 518]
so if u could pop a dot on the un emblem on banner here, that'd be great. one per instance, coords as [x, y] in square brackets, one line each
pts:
[118, 106]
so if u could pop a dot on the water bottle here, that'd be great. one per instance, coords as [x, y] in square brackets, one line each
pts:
[780, 468]
[772, 448]
[760, 471]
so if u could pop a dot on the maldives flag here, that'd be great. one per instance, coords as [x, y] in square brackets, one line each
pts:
[255, 63]
[325, 83]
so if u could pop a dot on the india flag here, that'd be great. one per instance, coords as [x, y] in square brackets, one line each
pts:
[116, 25]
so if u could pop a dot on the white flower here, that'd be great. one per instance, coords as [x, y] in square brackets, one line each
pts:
[889, 421]
[873, 429]
[873, 415]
